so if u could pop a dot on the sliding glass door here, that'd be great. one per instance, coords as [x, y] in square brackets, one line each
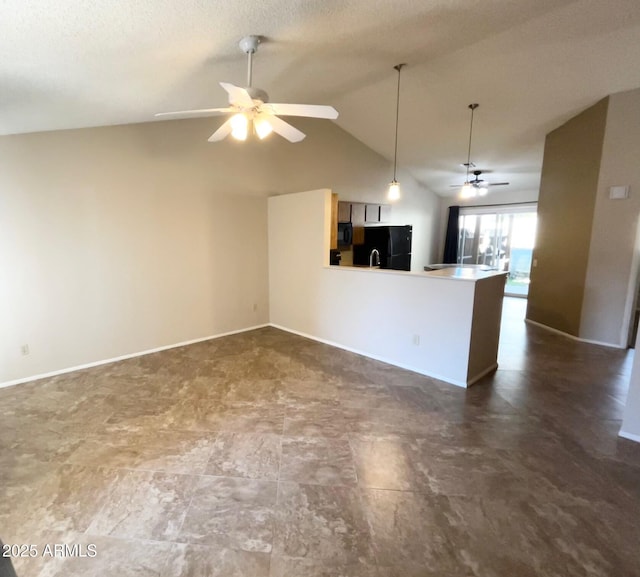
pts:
[501, 238]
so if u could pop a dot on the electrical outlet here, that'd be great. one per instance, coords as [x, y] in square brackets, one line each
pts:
[255, 307]
[416, 340]
[24, 349]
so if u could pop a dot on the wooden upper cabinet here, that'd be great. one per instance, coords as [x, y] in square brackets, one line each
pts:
[385, 213]
[334, 221]
[378, 213]
[372, 213]
[357, 214]
[344, 211]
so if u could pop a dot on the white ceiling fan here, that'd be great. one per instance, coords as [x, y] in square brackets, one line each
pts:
[250, 106]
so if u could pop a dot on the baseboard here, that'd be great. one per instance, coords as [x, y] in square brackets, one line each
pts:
[125, 357]
[374, 357]
[629, 436]
[480, 375]
[573, 337]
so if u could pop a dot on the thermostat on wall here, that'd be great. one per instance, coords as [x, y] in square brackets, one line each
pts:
[618, 192]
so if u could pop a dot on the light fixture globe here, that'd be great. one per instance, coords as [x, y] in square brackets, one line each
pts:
[239, 126]
[467, 191]
[262, 127]
[394, 190]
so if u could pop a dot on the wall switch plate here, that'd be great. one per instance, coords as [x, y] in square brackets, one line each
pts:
[24, 349]
[618, 192]
[416, 340]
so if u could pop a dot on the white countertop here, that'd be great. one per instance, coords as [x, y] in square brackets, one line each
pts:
[450, 273]
[466, 273]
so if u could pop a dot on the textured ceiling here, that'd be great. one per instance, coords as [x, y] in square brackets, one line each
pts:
[531, 64]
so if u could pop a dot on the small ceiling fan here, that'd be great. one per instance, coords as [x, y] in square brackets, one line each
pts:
[481, 186]
[477, 186]
[250, 106]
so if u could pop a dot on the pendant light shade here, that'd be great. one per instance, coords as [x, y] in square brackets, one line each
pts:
[394, 190]
[394, 185]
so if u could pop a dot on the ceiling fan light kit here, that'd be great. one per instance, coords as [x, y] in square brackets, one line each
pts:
[250, 107]
[477, 186]
[394, 186]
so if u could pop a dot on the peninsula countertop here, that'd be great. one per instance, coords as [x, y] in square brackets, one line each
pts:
[464, 273]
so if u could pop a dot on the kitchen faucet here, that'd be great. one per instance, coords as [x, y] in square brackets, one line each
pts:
[374, 251]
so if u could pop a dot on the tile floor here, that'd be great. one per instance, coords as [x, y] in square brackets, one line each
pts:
[266, 454]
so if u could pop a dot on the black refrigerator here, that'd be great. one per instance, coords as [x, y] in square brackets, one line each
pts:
[392, 242]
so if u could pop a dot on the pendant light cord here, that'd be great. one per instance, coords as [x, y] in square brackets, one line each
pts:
[398, 67]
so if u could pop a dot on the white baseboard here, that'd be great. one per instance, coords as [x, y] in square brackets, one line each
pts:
[573, 337]
[629, 436]
[124, 357]
[377, 357]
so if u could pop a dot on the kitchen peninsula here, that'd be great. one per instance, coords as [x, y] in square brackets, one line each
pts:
[443, 323]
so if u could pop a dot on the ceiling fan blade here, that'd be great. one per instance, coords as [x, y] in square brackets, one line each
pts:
[200, 112]
[238, 96]
[222, 132]
[284, 129]
[308, 110]
[497, 183]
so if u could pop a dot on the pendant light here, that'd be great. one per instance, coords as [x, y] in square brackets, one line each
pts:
[468, 191]
[394, 185]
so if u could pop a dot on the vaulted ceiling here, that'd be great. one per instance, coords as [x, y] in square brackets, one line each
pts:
[530, 64]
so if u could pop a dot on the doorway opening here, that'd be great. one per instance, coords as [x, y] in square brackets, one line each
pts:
[502, 238]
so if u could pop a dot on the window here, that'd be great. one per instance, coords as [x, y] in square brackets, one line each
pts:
[502, 238]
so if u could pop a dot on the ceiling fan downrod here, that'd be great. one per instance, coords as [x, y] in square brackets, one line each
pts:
[472, 107]
[249, 45]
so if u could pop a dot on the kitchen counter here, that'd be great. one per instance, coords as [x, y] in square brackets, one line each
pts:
[443, 323]
[451, 315]
[464, 273]
[450, 272]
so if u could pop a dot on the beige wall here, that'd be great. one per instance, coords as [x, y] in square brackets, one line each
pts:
[122, 239]
[613, 257]
[566, 204]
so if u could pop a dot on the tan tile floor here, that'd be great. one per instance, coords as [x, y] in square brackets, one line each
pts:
[266, 454]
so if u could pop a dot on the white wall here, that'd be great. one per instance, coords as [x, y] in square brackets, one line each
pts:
[612, 265]
[376, 313]
[121, 239]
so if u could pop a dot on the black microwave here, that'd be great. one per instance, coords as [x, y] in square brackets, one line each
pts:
[345, 234]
